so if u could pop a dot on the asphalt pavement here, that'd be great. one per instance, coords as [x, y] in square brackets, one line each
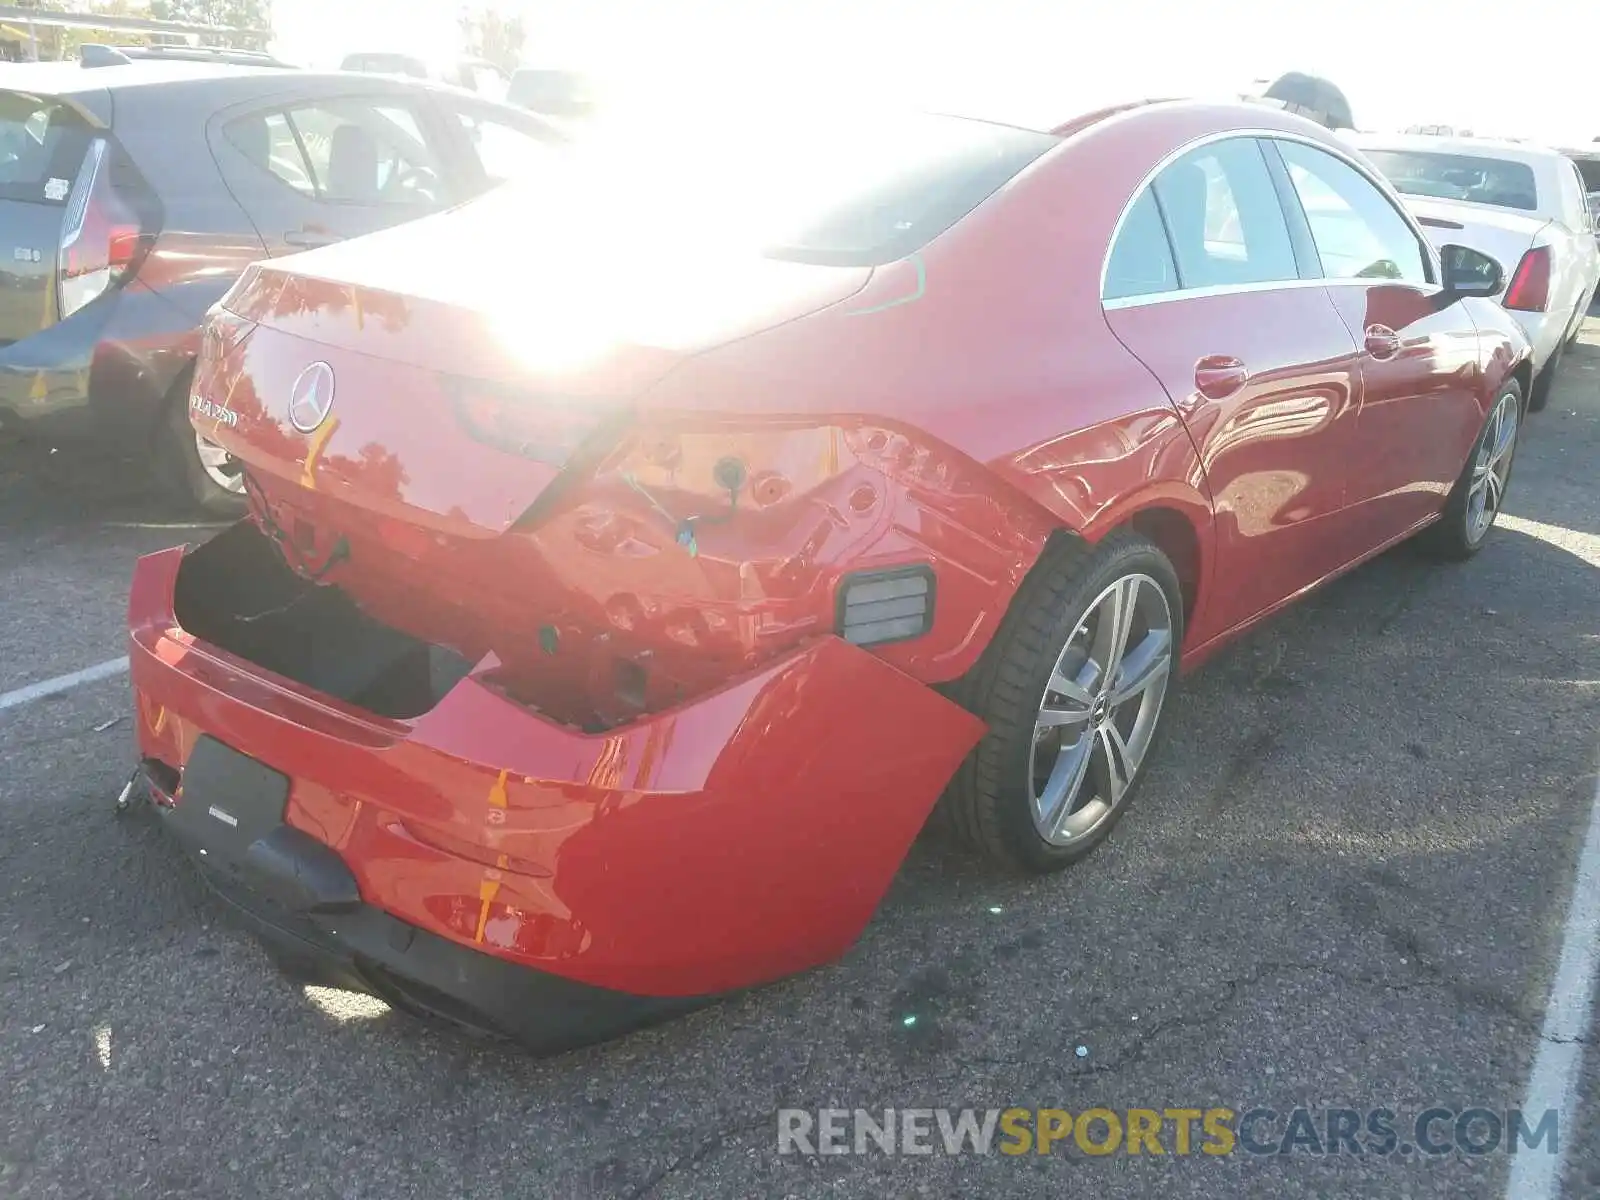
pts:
[1344, 887]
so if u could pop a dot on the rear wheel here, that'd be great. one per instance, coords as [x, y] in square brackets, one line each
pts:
[1480, 491]
[1072, 689]
[200, 473]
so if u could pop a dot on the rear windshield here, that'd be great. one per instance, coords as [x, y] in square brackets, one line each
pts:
[41, 147]
[851, 194]
[1471, 177]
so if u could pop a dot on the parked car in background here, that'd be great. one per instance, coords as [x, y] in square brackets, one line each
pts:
[552, 93]
[1588, 164]
[475, 74]
[637, 554]
[1526, 206]
[131, 198]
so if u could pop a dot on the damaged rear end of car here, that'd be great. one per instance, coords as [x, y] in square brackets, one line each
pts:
[539, 666]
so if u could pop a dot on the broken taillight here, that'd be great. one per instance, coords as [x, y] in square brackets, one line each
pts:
[550, 429]
[102, 239]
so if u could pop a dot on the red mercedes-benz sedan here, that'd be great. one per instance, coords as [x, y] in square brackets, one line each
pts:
[637, 555]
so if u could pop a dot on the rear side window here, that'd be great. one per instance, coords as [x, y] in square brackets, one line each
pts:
[1357, 231]
[42, 145]
[345, 152]
[505, 151]
[1141, 260]
[1224, 218]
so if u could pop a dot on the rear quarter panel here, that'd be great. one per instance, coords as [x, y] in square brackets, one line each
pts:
[993, 341]
[1504, 349]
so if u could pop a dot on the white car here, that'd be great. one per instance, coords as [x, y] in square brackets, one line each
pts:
[1521, 204]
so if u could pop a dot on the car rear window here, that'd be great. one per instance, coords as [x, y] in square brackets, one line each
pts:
[857, 193]
[42, 144]
[1476, 178]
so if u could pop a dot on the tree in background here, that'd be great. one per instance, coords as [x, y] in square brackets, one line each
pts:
[71, 39]
[488, 33]
[238, 14]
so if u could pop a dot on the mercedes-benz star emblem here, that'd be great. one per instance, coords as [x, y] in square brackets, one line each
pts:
[311, 397]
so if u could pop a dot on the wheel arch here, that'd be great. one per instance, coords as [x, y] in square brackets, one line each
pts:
[1523, 374]
[1174, 534]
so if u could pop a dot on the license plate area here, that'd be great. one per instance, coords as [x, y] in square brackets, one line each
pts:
[229, 800]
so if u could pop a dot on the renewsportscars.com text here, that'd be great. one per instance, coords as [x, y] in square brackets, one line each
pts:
[1179, 1132]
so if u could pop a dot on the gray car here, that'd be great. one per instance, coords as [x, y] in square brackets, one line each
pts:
[132, 196]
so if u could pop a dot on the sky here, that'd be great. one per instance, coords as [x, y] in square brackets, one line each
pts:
[1453, 62]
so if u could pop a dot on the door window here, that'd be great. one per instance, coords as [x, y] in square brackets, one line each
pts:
[1141, 260]
[345, 151]
[1358, 233]
[1224, 219]
[505, 151]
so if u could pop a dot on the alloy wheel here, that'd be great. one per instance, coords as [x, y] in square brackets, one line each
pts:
[1098, 715]
[220, 467]
[1491, 468]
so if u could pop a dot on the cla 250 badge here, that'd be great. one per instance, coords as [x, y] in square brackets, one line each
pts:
[202, 407]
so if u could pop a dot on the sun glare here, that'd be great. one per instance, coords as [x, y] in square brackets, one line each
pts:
[345, 1006]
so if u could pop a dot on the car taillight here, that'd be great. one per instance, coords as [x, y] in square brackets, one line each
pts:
[1530, 284]
[101, 238]
[546, 429]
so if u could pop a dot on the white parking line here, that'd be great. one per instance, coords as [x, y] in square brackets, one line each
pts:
[1559, 1064]
[62, 683]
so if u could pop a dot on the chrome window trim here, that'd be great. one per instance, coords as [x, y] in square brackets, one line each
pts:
[1275, 285]
[1206, 139]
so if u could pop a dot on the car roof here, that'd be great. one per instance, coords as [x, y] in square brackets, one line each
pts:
[66, 79]
[1531, 153]
[69, 78]
[1247, 115]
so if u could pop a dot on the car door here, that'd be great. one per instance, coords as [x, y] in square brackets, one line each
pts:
[1419, 362]
[314, 171]
[1205, 286]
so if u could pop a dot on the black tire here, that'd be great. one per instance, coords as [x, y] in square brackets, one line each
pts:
[1581, 316]
[1453, 538]
[177, 462]
[989, 803]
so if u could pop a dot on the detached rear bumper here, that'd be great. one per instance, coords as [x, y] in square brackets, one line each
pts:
[300, 899]
[520, 874]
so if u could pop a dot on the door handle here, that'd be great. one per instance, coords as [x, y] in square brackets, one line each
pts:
[310, 239]
[1382, 342]
[1217, 376]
